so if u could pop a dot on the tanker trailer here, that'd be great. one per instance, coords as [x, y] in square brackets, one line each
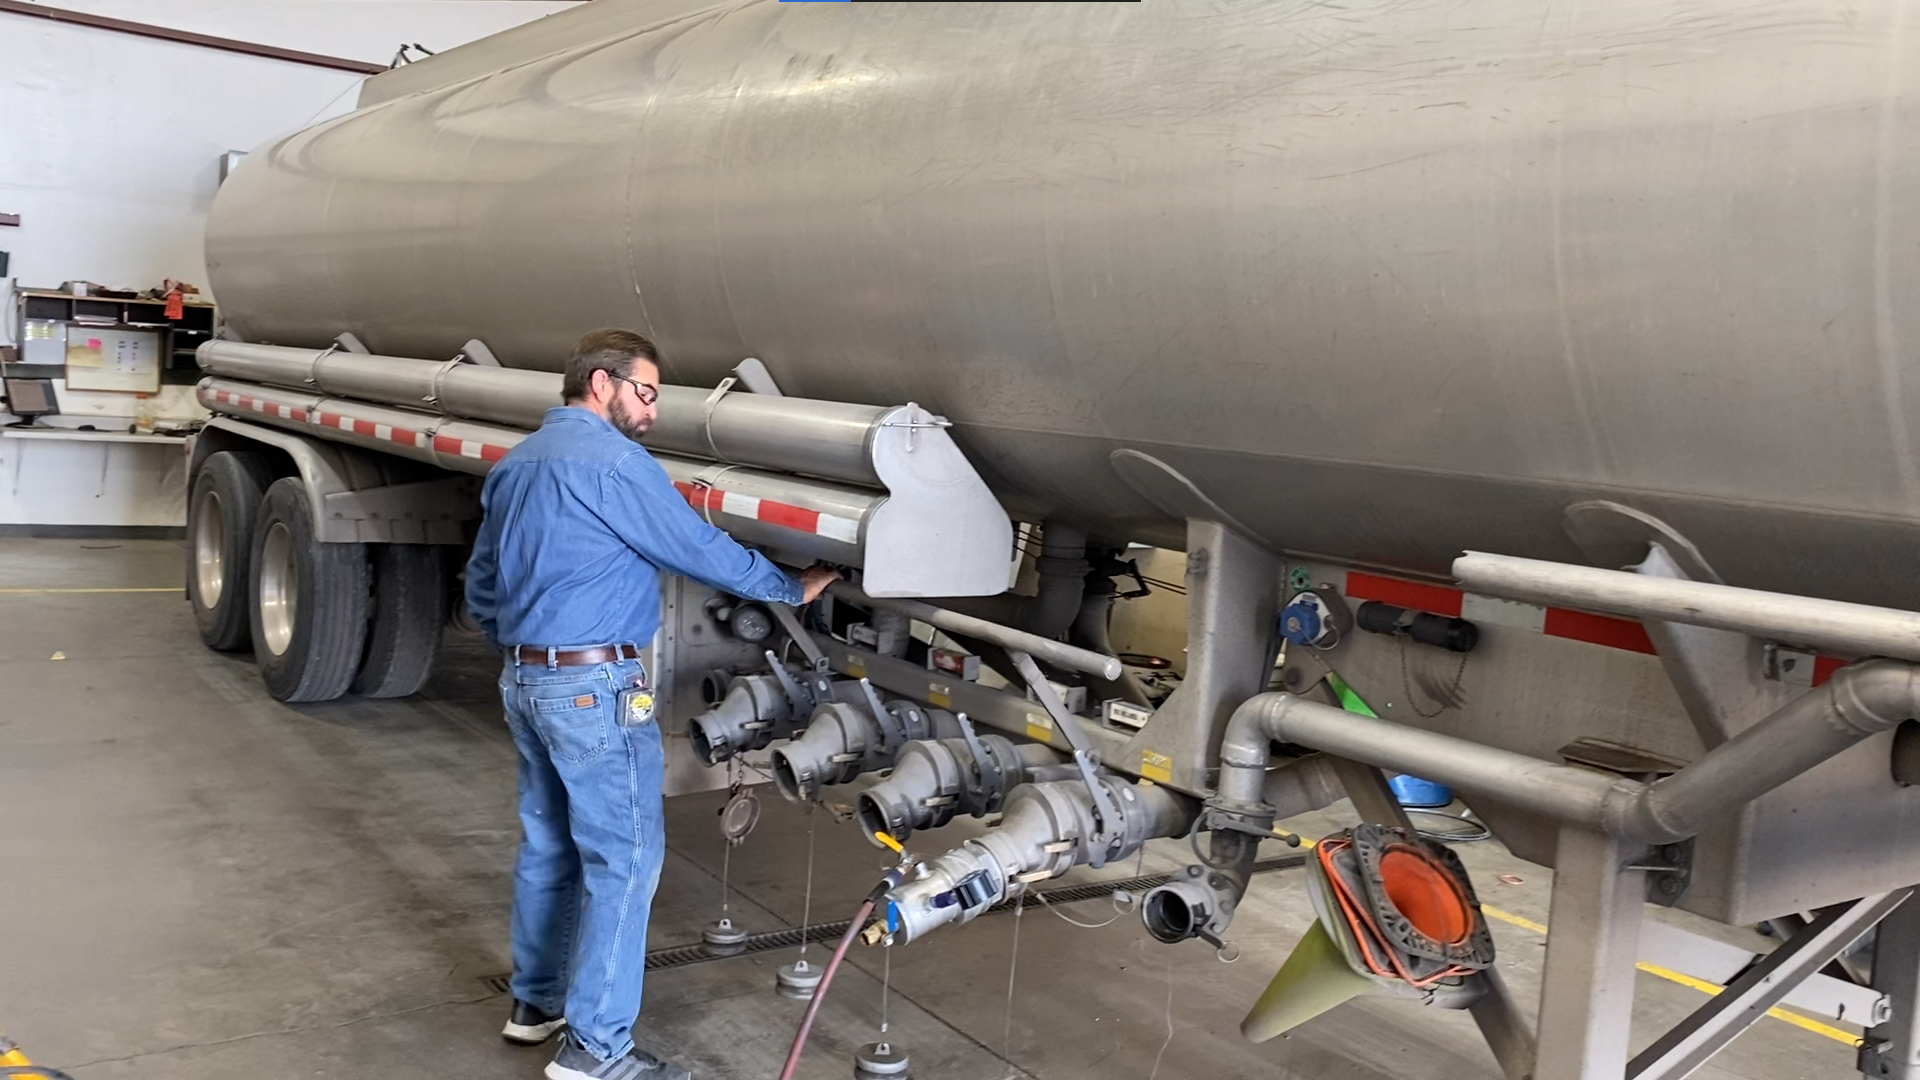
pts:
[1322, 298]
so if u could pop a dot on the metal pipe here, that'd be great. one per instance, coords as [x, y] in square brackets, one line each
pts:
[1046, 830]
[1561, 792]
[809, 519]
[1053, 652]
[1848, 629]
[843, 740]
[1090, 631]
[935, 779]
[1200, 901]
[821, 438]
[1063, 569]
[1862, 699]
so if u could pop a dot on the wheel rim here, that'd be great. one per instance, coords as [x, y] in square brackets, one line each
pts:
[279, 588]
[210, 550]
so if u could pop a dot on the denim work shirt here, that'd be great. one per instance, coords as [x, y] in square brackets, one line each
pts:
[579, 523]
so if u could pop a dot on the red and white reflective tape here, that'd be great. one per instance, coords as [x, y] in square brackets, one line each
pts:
[265, 408]
[701, 497]
[713, 500]
[1608, 630]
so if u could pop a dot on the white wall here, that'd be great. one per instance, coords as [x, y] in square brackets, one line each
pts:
[109, 143]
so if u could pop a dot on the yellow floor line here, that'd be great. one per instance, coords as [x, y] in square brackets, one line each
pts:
[1702, 985]
[23, 592]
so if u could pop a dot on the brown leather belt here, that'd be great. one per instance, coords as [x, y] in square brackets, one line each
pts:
[598, 654]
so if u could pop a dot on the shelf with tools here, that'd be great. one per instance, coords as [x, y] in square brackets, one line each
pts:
[110, 342]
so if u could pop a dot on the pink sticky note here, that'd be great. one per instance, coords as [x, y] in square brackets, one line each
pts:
[93, 343]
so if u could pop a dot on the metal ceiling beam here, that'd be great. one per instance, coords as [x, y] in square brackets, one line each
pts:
[187, 37]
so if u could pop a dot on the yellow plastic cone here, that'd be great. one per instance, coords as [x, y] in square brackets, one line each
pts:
[1314, 979]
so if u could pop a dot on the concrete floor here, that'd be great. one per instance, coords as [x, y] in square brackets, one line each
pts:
[201, 882]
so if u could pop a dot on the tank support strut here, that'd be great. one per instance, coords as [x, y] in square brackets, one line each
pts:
[1892, 1049]
[1233, 602]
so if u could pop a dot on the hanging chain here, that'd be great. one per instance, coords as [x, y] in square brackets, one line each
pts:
[726, 842]
[806, 906]
[1448, 700]
[886, 987]
[1013, 967]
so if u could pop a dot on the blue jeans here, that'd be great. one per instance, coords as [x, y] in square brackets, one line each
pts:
[593, 837]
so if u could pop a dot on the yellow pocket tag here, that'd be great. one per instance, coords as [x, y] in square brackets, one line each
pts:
[636, 707]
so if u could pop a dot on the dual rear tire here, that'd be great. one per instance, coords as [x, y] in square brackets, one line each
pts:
[322, 618]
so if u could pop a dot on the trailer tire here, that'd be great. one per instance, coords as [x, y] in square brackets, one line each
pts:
[309, 601]
[226, 497]
[409, 614]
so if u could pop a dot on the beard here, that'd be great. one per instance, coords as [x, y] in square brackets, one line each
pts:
[626, 423]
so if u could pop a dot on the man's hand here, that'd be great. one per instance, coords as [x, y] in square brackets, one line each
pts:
[814, 581]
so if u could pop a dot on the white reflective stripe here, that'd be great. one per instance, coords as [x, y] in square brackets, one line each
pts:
[383, 432]
[845, 530]
[469, 449]
[346, 423]
[423, 440]
[1498, 612]
[740, 506]
[259, 406]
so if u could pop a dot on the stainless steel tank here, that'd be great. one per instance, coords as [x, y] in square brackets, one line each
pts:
[1384, 280]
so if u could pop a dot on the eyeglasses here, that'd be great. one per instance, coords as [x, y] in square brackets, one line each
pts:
[648, 392]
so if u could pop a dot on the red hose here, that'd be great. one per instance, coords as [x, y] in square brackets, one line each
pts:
[820, 992]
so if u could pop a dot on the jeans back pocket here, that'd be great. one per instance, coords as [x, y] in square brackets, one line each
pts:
[576, 727]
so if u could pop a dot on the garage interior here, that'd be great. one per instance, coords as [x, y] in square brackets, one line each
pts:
[1387, 424]
[226, 886]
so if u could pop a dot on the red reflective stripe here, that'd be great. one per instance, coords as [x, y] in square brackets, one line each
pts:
[1407, 594]
[1559, 622]
[1598, 630]
[445, 445]
[789, 517]
[300, 415]
[489, 452]
[1824, 667]
[701, 497]
[366, 427]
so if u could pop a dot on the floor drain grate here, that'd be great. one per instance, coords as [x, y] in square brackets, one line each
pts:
[499, 984]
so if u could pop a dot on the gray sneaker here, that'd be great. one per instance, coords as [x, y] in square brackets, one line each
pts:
[576, 1062]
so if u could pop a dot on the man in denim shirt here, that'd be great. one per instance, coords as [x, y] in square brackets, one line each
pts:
[580, 522]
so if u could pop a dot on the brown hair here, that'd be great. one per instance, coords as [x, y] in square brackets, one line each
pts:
[612, 351]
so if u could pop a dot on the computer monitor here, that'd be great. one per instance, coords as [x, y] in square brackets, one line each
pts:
[30, 398]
